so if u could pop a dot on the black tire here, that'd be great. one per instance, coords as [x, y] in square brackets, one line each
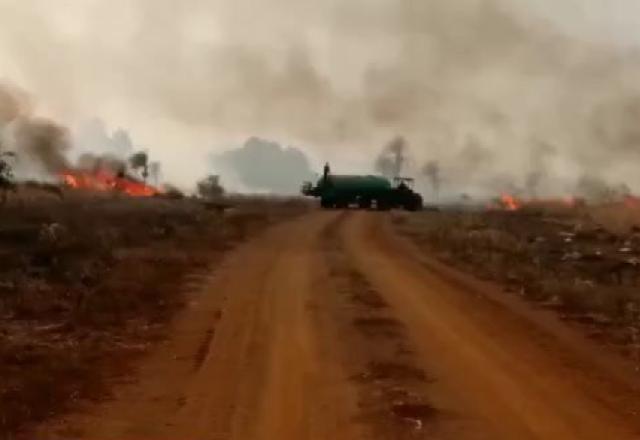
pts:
[364, 204]
[326, 204]
[383, 204]
[414, 203]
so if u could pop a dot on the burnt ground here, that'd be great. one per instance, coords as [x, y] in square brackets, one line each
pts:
[89, 282]
[583, 263]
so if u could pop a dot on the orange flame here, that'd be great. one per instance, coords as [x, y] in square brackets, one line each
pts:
[135, 189]
[510, 203]
[104, 181]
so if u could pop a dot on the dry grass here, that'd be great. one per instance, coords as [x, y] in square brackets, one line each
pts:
[88, 281]
[617, 217]
[584, 263]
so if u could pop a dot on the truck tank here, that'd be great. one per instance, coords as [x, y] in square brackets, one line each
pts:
[341, 191]
[359, 184]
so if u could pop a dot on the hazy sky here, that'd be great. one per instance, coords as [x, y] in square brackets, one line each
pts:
[337, 78]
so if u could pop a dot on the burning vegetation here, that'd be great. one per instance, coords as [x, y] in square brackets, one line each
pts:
[538, 189]
[38, 147]
[87, 281]
[103, 180]
[508, 202]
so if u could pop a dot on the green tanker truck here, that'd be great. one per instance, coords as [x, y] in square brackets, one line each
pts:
[342, 191]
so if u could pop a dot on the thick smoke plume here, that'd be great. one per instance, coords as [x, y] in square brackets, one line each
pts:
[44, 142]
[494, 78]
[41, 147]
[107, 162]
[13, 104]
[35, 140]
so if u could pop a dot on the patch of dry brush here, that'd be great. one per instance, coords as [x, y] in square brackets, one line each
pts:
[87, 282]
[566, 261]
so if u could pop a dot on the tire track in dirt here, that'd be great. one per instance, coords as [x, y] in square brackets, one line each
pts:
[377, 352]
[253, 357]
[269, 372]
[498, 378]
[324, 329]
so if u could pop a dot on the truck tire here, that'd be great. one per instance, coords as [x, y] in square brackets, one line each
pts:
[364, 203]
[342, 204]
[326, 203]
[383, 204]
[413, 204]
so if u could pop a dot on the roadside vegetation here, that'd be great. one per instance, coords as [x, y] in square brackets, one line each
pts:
[583, 262]
[90, 281]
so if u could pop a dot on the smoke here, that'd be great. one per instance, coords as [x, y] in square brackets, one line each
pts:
[596, 190]
[540, 157]
[393, 157]
[343, 78]
[105, 162]
[13, 104]
[93, 136]
[44, 142]
[36, 140]
[262, 165]
[41, 147]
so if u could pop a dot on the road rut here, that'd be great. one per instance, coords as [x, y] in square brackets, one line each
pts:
[330, 327]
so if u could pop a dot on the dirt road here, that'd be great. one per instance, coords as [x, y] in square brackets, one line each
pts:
[331, 327]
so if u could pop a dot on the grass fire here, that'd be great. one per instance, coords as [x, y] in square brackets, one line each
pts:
[101, 180]
[319, 220]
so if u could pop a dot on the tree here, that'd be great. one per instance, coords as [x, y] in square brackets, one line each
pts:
[155, 171]
[432, 170]
[264, 165]
[210, 188]
[140, 162]
[6, 177]
[393, 157]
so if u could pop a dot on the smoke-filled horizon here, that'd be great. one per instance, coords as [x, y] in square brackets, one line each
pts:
[497, 93]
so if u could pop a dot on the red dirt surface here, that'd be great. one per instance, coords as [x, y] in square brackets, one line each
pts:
[331, 326]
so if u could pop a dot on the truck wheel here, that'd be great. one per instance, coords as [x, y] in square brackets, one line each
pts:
[326, 204]
[364, 204]
[413, 204]
[383, 205]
